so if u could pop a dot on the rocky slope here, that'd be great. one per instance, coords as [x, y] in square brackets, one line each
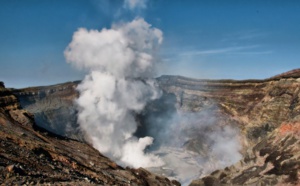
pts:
[258, 108]
[275, 160]
[53, 107]
[29, 155]
[255, 106]
[267, 114]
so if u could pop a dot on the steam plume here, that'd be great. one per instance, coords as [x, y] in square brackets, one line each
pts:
[120, 63]
[192, 144]
[195, 145]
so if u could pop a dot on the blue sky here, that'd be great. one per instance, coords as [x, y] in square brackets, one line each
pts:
[232, 39]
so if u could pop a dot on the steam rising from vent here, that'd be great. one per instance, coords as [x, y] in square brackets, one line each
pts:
[120, 62]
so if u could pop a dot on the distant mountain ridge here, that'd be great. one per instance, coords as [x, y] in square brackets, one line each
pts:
[289, 74]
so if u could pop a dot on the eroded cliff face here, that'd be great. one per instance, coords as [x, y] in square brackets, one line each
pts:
[10, 105]
[275, 160]
[33, 156]
[267, 114]
[257, 108]
[53, 107]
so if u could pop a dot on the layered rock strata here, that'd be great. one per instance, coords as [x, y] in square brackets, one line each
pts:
[53, 107]
[275, 160]
[255, 106]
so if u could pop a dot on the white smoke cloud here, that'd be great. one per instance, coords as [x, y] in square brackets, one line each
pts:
[121, 62]
[125, 50]
[192, 144]
[216, 146]
[135, 4]
[226, 148]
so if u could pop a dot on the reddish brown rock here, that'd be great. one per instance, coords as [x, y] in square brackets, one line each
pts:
[275, 160]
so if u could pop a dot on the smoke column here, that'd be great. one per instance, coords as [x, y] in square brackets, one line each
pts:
[192, 144]
[120, 62]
